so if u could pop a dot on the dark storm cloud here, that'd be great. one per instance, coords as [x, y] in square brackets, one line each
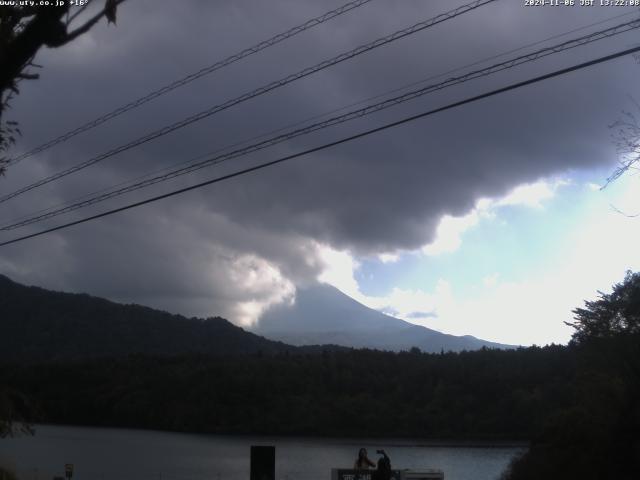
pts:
[378, 194]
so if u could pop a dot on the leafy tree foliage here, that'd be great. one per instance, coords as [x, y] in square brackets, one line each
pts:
[14, 408]
[612, 314]
[626, 135]
[598, 434]
[487, 394]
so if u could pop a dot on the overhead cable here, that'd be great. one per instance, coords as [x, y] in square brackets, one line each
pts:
[347, 7]
[325, 146]
[358, 113]
[254, 93]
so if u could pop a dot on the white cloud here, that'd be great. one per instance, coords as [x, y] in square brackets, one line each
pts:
[529, 195]
[262, 283]
[521, 311]
[450, 229]
[490, 281]
[405, 302]
[389, 257]
[524, 312]
[533, 310]
[338, 271]
[449, 232]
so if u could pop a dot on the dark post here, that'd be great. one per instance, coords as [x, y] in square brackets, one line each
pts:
[263, 463]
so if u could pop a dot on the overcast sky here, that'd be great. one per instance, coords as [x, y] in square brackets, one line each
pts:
[486, 219]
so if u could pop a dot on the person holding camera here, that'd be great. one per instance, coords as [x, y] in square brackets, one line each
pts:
[384, 466]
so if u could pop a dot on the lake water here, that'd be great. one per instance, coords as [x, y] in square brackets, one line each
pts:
[110, 454]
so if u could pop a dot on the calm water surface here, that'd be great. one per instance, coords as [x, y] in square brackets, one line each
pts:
[110, 454]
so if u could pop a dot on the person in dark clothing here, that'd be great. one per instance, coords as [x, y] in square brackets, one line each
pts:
[384, 466]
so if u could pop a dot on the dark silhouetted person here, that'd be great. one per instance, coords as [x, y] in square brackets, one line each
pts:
[384, 466]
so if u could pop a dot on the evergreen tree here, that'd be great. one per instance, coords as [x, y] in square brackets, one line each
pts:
[612, 314]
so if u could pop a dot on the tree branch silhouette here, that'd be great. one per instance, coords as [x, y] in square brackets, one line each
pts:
[24, 30]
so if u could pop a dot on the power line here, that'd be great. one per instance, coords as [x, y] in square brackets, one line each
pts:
[325, 146]
[314, 22]
[330, 122]
[326, 113]
[336, 110]
[254, 93]
[544, 52]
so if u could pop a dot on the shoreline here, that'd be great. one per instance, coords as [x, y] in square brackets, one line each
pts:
[346, 440]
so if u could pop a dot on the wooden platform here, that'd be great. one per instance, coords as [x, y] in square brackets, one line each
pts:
[353, 474]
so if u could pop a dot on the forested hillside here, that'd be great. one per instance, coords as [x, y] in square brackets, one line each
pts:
[42, 325]
[489, 394]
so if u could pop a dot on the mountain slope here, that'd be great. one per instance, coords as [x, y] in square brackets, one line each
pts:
[324, 315]
[38, 324]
